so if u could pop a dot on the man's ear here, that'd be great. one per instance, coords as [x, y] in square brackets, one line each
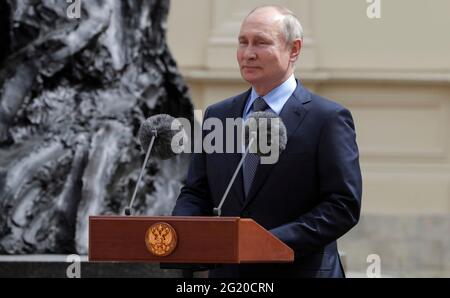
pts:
[295, 49]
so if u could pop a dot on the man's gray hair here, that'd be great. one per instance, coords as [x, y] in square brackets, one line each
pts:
[291, 27]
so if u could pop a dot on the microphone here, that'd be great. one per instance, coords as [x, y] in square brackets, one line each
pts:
[156, 133]
[259, 126]
[269, 127]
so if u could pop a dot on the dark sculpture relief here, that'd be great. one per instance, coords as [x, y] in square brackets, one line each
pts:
[73, 93]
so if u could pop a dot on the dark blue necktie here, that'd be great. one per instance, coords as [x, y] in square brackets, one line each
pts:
[252, 160]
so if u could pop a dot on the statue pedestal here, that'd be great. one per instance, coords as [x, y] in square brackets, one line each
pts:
[58, 265]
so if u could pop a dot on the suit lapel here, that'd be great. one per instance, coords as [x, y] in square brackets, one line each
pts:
[292, 115]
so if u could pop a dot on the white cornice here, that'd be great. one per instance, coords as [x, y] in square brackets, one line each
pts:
[330, 76]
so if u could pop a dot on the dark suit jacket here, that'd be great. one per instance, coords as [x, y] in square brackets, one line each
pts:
[308, 199]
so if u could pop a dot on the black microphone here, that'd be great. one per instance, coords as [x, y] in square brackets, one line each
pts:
[156, 133]
[266, 126]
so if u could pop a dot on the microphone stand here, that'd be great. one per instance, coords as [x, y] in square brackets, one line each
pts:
[218, 210]
[147, 155]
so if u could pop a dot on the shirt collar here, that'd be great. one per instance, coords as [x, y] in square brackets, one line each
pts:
[275, 98]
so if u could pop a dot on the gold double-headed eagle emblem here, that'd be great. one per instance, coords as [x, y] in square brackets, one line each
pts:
[161, 239]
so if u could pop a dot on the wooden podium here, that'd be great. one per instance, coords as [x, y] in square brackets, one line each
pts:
[199, 240]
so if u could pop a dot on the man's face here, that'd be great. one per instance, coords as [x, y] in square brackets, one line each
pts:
[262, 54]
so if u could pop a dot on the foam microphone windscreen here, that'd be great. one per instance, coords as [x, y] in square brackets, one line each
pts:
[268, 126]
[162, 146]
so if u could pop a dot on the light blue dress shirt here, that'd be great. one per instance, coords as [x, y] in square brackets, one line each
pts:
[276, 99]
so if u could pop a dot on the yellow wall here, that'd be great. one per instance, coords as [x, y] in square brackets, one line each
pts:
[393, 73]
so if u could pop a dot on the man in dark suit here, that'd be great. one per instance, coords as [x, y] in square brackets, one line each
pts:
[312, 195]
